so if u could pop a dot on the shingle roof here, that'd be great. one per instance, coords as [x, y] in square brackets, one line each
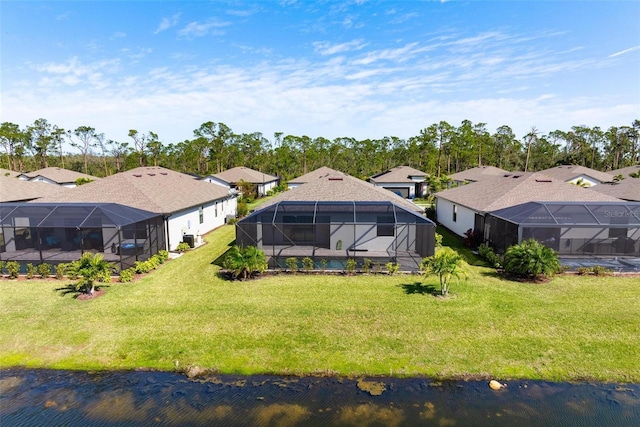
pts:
[569, 172]
[340, 187]
[245, 174]
[59, 175]
[398, 174]
[153, 189]
[479, 173]
[313, 175]
[9, 173]
[15, 190]
[627, 189]
[626, 171]
[502, 192]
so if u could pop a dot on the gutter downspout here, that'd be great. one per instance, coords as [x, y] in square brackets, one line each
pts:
[167, 243]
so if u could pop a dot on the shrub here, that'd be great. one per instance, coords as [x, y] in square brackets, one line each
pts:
[307, 264]
[13, 269]
[583, 270]
[292, 264]
[183, 247]
[91, 268]
[392, 268]
[471, 238]
[350, 266]
[377, 268]
[490, 256]
[600, 270]
[126, 275]
[163, 256]
[531, 259]
[245, 263]
[2, 265]
[44, 270]
[142, 267]
[323, 264]
[61, 270]
[366, 266]
[242, 209]
[31, 271]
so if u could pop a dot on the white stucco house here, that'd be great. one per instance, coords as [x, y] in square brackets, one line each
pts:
[189, 207]
[56, 176]
[262, 182]
[405, 181]
[578, 175]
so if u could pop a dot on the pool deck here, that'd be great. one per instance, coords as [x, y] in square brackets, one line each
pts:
[617, 264]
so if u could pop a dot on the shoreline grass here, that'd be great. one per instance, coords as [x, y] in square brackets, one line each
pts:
[572, 328]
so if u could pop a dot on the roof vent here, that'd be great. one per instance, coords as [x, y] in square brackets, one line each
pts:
[151, 174]
[335, 178]
[137, 175]
[163, 173]
[543, 180]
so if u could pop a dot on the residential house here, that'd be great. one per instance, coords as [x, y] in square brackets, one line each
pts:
[577, 175]
[627, 189]
[189, 207]
[56, 176]
[337, 217]
[402, 180]
[231, 178]
[13, 189]
[627, 172]
[464, 208]
[311, 176]
[477, 174]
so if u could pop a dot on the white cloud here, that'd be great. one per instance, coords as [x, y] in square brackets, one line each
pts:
[200, 29]
[328, 48]
[622, 52]
[167, 23]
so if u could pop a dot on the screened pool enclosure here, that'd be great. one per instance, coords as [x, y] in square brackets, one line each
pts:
[56, 233]
[576, 228]
[330, 233]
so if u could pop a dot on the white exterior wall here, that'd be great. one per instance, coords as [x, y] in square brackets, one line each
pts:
[214, 180]
[263, 188]
[465, 218]
[188, 220]
[587, 180]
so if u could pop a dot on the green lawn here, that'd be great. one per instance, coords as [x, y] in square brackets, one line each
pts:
[182, 314]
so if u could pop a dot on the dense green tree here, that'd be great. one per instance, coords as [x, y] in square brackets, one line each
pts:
[14, 141]
[86, 138]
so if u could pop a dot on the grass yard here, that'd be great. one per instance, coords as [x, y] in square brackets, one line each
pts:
[572, 328]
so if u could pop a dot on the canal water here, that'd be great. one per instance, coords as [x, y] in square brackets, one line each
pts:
[70, 398]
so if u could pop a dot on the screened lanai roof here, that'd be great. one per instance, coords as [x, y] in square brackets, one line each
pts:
[572, 213]
[69, 215]
[331, 212]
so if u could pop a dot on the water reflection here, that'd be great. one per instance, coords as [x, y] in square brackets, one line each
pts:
[45, 397]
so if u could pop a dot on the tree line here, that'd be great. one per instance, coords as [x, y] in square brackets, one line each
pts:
[439, 149]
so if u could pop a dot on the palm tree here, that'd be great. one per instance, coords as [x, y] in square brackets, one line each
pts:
[531, 259]
[446, 264]
[90, 268]
[245, 262]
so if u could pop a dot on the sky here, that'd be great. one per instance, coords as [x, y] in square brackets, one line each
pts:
[360, 69]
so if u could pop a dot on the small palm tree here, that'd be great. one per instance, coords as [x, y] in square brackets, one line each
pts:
[89, 269]
[531, 259]
[244, 263]
[447, 264]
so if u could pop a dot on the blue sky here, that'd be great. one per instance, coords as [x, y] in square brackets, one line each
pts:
[362, 69]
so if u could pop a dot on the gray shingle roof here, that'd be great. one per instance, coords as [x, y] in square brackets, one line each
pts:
[153, 189]
[479, 173]
[569, 172]
[13, 189]
[241, 173]
[398, 174]
[59, 175]
[502, 192]
[9, 173]
[626, 171]
[340, 187]
[627, 189]
[313, 175]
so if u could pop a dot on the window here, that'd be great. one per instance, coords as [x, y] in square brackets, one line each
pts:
[386, 225]
[216, 210]
[455, 213]
[201, 213]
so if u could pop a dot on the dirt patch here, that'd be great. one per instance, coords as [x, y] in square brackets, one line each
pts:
[97, 293]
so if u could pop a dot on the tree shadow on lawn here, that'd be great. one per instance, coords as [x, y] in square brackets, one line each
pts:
[220, 260]
[72, 289]
[419, 288]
